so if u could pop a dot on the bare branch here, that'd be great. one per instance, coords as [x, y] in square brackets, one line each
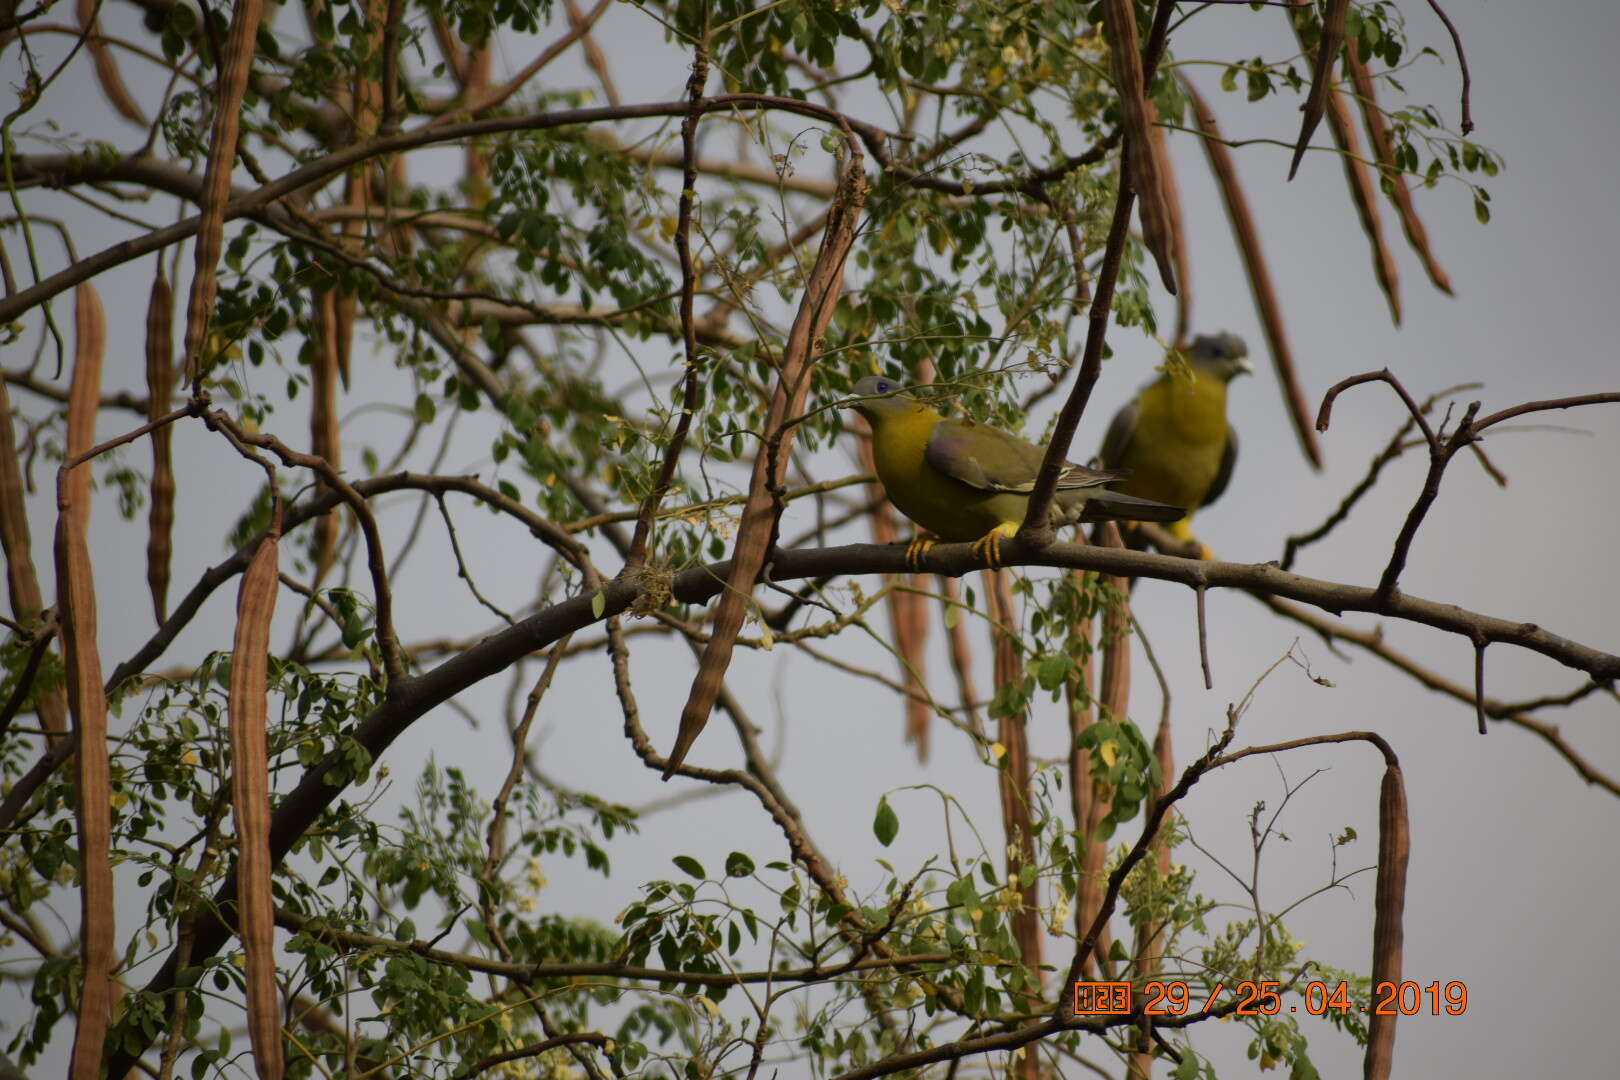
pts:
[1462, 62]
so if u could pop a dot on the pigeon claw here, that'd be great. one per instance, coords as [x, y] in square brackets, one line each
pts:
[988, 546]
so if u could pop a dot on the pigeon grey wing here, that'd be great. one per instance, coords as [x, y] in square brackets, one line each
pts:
[990, 459]
[1078, 477]
[1121, 430]
[1223, 475]
[982, 456]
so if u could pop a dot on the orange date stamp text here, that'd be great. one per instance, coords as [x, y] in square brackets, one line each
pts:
[1159, 998]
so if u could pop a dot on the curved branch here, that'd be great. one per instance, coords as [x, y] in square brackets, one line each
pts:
[68, 168]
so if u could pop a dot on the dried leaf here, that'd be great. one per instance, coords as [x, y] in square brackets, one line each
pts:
[1143, 166]
[1389, 904]
[1254, 264]
[159, 392]
[250, 793]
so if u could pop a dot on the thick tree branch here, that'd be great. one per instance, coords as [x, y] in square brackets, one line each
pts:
[416, 696]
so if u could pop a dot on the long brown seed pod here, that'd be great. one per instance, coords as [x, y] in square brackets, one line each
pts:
[22, 580]
[1014, 786]
[84, 392]
[1178, 236]
[1115, 690]
[76, 601]
[1400, 193]
[107, 73]
[1327, 51]
[1394, 851]
[1143, 167]
[912, 642]
[325, 435]
[961, 650]
[1114, 700]
[1088, 803]
[250, 792]
[907, 619]
[1363, 191]
[368, 103]
[757, 529]
[444, 34]
[238, 58]
[159, 391]
[1150, 938]
[1247, 236]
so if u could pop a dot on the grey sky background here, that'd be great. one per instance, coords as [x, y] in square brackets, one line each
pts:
[1513, 866]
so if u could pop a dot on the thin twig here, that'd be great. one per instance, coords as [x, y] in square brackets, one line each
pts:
[1506, 712]
[1462, 62]
[692, 382]
[461, 563]
[1203, 638]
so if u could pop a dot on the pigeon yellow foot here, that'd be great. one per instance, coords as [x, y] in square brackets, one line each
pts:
[917, 549]
[988, 546]
[1182, 530]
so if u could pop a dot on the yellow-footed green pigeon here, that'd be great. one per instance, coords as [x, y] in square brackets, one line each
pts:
[963, 480]
[1174, 441]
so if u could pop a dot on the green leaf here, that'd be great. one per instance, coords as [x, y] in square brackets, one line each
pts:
[691, 866]
[598, 604]
[1053, 670]
[1482, 211]
[886, 825]
[739, 864]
